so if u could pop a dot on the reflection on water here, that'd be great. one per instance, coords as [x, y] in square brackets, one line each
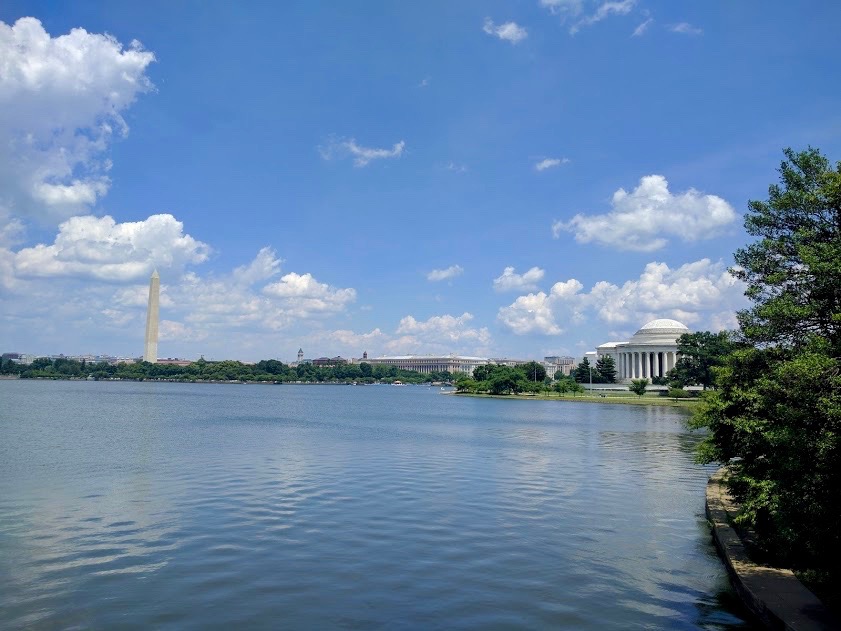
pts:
[216, 506]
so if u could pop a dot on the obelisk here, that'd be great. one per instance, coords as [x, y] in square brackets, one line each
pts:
[150, 350]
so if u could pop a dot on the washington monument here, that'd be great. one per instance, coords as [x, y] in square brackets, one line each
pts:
[150, 351]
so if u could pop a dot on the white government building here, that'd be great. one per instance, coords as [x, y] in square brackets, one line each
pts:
[651, 352]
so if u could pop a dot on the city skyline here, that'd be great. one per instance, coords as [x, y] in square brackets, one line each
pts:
[485, 179]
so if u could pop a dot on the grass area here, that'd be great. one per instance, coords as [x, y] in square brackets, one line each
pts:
[613, 397]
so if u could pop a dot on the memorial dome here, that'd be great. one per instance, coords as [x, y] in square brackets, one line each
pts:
[659, 331]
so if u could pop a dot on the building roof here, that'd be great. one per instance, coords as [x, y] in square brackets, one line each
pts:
[659, 331]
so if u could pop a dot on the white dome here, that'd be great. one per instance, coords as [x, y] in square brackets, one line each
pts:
[665, 323]
[661, 331]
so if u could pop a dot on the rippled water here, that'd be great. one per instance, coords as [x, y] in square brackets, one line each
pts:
[200, 506]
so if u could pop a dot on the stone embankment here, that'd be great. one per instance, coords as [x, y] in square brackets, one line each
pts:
[774, 595]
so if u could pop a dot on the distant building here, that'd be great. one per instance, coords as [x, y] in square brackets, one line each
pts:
[429, 363]
[555, 363]
[19, 358]
[174, 361]
[300, 355]
[651, 351]
[326, 362]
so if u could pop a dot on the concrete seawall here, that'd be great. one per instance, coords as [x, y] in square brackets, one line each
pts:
[774, 595]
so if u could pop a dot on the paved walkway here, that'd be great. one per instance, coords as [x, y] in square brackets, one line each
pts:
[774, 595]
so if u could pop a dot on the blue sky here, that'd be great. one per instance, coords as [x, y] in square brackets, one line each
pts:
[496, 178]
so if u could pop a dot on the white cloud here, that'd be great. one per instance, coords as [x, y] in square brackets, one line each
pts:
[509, 31]
[530, 314]
[685, 28]
[549, 163]
[642, 219]
[511, 281]
[61, 103]
[102, 249]
[444, 274]
[561, 7]
[605, 10]
[424, 83]
[445, 333]
[642, 28]
[170, 330]
[362, 156]
[701, 293]
[302, 295]
[456, 168]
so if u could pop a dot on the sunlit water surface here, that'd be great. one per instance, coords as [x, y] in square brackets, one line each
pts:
[219, 506]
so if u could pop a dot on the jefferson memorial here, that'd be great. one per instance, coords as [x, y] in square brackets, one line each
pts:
[651, 351]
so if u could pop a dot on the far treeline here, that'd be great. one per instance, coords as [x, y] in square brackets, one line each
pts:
[700, 353]
[269, 370]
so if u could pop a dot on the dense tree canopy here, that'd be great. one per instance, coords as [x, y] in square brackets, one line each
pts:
[699, 354]
[606, 367]
[269, 370]
[775, 416]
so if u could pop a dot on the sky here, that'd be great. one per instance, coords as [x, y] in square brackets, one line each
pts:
[489, 178]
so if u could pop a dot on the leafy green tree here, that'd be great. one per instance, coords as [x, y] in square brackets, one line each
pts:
[606, 367]
[482, 373]
[700, 353]
[576, 388]
[505, 380]
[638, 386]
[559, 374]
[533, 371]
[775, 417]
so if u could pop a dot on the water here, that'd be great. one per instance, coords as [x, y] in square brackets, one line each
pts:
[217, 506]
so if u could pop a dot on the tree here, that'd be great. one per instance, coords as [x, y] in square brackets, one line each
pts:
[775, 417]
[559, 374]
[582, 373]
[793, 272]
[533, 371]
[505, 380]
[699, 354]
[606, 367]
[638, 386]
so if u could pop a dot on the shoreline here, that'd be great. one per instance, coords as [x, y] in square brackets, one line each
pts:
[620, 400]
[774, 595]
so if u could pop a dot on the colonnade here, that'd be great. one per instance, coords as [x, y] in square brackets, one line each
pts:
[645, 364]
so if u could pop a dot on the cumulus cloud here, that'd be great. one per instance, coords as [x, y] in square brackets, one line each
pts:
[102, 249]
[702, 292]
[685, 28]
[302, 295]
[362, 156]
[445, 333]
[549, 163]
[509, 31]
[605, 10]
[445, 274]
[511, 281]
[642, 28]
[61, 104]
[643, 219]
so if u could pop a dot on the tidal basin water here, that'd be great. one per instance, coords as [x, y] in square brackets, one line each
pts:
[182, 506]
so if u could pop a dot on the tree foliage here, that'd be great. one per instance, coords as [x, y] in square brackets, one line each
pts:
[700, 353]
[775, 416]
[638, 386]
[606, 367]
[534, 371]
[583, 372]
